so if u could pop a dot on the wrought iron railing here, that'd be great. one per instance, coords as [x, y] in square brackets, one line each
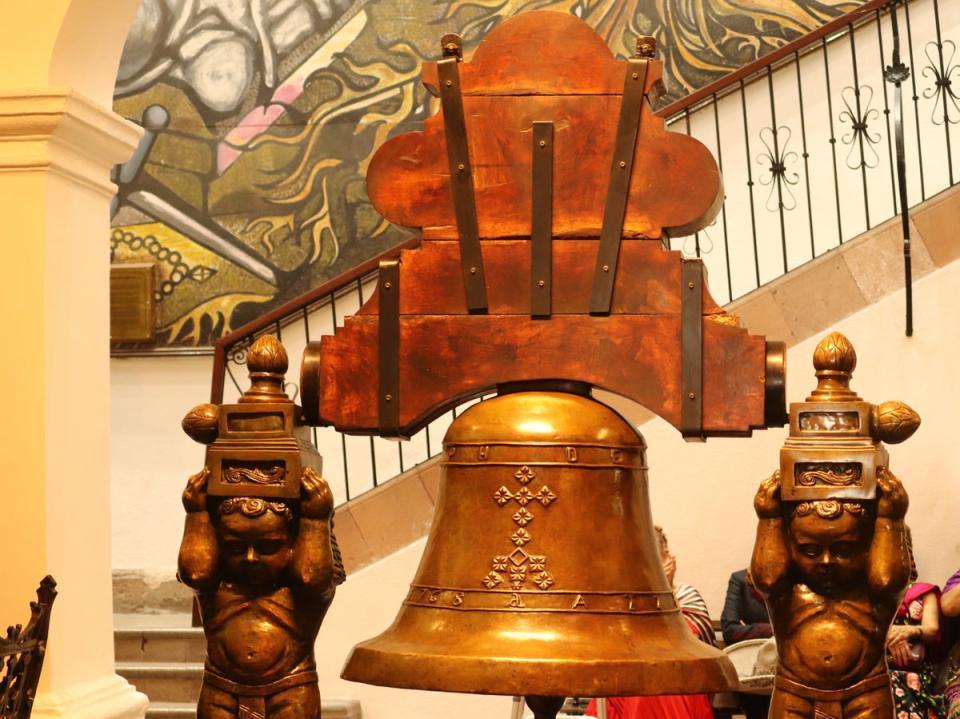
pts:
[21, 655]
[805, 139]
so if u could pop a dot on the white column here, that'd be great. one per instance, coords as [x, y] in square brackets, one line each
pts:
[56, 151]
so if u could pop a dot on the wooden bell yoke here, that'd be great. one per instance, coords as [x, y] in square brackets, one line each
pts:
[545, 189]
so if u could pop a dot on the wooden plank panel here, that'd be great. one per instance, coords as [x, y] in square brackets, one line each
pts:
[444, 360]
[676, 182]
[647, 281]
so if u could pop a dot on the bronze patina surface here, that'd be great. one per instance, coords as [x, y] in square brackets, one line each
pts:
[831, 552]
[541, 575]
[264, 566]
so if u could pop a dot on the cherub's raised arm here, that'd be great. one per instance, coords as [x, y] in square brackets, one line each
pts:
[314, 564]
[888, 565]
[197, 564]
[771, 555]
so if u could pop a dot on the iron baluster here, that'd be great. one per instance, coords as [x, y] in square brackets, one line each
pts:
[778, 168]
[373, 449]
[833, 140]
[896, 73]
[723, 207]
[886, 115]
[916, 101]
[343, 437]
[942, 91]
[860, 124]
[806, 156]
[696, 235]
[753, 217]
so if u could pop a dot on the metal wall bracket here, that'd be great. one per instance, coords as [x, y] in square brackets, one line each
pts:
[389, 347]
[691, 349]
[541, 232]
[621, 170]
[461, 174]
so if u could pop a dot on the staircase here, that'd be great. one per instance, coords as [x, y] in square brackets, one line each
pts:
[162, 656]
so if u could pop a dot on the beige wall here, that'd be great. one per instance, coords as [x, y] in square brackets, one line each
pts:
[702, 493]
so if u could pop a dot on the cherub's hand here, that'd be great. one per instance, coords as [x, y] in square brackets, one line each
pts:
[316, 499]
[893, 501]
[767, 501]
[195, 495]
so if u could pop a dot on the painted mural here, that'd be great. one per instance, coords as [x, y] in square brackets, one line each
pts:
[263, 114]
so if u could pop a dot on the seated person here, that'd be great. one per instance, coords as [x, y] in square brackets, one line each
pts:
[744, 611]
[950, 607]
[745, 617]
[911, 642]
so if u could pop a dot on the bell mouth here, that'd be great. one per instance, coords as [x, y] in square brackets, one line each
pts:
[546, 655]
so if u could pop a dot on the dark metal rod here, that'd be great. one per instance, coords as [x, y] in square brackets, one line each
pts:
[779, 178]
[343, 437]
[916, 102]
[723, 207]
[696, 235]
[618, 188]
[541, 221]
[886, 113]
[896, 73]
[232, 378]
[753, 215]
[306, 335]
[944, 90]
[806, 158]
[461, 181]
[373, 450]
[861, 136]
[833, 141]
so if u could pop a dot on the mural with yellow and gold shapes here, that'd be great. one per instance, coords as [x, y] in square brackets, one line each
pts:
[262, 116]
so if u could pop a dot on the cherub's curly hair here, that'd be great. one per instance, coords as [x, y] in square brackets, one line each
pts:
[254, 507]
[830, 508]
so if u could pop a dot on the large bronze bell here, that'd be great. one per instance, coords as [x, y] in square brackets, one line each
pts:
[541, 574]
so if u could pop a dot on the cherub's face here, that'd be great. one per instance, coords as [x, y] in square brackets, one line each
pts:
[255, 550]
[829, 553]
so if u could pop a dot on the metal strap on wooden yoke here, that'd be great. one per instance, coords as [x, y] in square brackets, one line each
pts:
[389, 347]
[461, 174]
[691, 349]
[541, 226]
[621, 170]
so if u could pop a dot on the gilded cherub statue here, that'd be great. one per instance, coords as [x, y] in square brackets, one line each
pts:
[259, 551]
[831, 551]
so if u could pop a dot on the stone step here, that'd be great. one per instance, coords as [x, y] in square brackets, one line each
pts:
[172, 710]
[164, 681]
[159, 644]
[329, 709]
